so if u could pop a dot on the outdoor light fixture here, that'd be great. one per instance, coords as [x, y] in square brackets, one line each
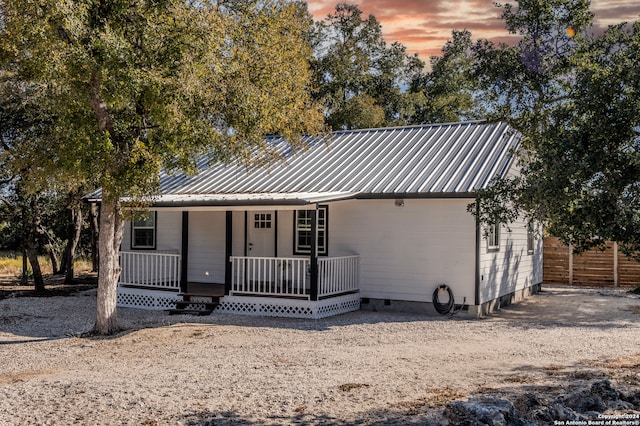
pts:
[399, 202]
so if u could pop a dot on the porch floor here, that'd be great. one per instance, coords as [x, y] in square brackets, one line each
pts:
[205, 289]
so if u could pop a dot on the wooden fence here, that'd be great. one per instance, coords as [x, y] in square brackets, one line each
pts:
[595, 267]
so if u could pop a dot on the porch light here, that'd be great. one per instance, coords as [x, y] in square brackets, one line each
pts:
[399, 202]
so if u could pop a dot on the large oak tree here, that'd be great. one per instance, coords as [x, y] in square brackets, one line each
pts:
[574, 95]
[132, 86]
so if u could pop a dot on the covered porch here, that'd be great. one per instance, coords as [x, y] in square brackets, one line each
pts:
[236, 251]
[276, 286]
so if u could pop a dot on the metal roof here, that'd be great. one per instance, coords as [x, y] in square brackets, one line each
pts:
[444, 160]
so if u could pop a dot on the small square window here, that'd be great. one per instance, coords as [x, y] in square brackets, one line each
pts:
[262, 220]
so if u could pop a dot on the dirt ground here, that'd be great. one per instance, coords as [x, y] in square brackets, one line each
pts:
[360, 368]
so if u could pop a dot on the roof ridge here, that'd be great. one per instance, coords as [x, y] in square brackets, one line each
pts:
[416, 126]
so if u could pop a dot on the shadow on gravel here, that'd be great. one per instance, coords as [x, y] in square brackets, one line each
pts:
[388, 416]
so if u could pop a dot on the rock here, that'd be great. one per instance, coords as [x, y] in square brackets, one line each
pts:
[583, 401]
[605, 391]
[633, 398]
[534, 408]
[489, 411]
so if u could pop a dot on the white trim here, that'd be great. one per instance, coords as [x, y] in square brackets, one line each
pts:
[493, 237]
[321, 228]
[154, 300]
[274, 307]
[152, 227]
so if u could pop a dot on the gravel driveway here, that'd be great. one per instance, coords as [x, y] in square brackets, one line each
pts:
[358, 368]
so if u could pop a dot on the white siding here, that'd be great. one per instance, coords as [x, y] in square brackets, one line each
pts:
[168, 232]
[406, 252]
[510, 268]
[238, 239]
[285, 233]
[206, 247]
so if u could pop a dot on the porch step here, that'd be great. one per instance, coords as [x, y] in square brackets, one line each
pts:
[195, 304]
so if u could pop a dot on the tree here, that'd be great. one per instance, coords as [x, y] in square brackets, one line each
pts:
[575, 99]
[135, 86]
[449, 89]
[359, 77]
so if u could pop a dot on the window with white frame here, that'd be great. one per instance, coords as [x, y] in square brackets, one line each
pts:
[143, 231]
[493, 236]
[530, 237]
[302, 231]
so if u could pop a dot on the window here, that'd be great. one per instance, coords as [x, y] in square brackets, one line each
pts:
[302, 231]
[262, 220]
[143, 231]
[530, 237]
[493, 237]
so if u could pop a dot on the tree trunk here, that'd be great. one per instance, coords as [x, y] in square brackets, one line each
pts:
[24, 279]
[93, 222]
[53, 257]
[32, 254]
[73, 237]
[109, 248]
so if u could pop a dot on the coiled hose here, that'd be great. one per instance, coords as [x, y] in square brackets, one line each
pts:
[443, 308]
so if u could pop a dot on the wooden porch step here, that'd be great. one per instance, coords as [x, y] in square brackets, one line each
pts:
[198, 312]
[195, 304]
[183, 304]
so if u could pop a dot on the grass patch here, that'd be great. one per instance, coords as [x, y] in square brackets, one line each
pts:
[11, 264]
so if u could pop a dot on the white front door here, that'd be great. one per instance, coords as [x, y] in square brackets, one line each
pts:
[261, 234]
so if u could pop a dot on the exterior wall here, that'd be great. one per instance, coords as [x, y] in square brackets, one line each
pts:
[509, 269]
[168, 232]
[206, 246]
[407, 251]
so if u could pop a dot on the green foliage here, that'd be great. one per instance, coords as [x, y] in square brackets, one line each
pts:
[358, 75]
[449, 89]
[126, 88]
[575, 98]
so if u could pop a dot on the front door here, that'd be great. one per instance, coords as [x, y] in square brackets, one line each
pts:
[261, 234]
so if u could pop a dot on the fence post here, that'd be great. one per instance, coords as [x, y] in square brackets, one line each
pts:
[570, 264]
[615, 264]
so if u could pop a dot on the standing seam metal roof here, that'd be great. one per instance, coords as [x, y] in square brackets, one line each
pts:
[430, 159]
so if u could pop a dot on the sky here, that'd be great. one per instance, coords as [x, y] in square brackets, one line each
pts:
[424, 26]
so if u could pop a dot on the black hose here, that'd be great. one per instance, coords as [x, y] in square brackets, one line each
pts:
[443, 308]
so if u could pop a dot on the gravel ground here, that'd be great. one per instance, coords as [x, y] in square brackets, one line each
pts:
[359, 368]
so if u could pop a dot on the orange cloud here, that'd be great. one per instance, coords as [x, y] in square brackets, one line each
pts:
[424, 26]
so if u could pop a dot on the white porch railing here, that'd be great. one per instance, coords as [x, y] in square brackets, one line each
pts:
[273, 276]
[278, 276]
[157, 269]
[337, 275]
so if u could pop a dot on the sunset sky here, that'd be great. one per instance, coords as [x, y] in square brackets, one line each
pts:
[423, 26]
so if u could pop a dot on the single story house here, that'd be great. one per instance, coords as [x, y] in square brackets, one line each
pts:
[371, 219]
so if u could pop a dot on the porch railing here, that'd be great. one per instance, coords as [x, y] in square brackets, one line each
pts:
[278, 276]
[157, 269]
[337, 275]
[274, 276]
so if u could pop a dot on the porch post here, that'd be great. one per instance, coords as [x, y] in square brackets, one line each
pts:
[227, 251]
[184, 258]
[314, 253]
